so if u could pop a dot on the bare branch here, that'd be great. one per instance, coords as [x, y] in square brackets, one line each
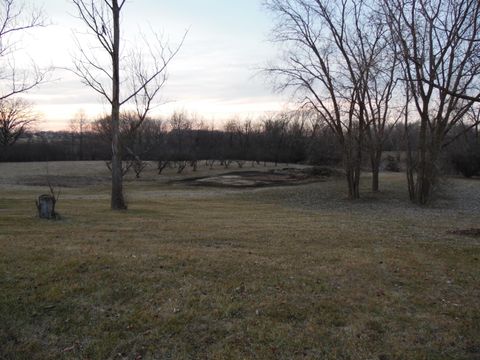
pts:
[16, 17]
[16, 117]
[160, 64]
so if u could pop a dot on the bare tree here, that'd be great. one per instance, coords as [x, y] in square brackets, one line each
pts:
[181, 126]
[380, 112]
[161, 165]
[275, 129]
[330, 49]
[102, 18]
[16, 117]
[239, 140]
[439, 43]
[16, 114]
[16, 18]
[297, 131]
[78, 126]
[138, 166]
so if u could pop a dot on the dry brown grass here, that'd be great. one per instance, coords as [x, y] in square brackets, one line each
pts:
[295, 272]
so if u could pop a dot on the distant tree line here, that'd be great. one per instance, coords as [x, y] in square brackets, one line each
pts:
[289, 137]
[183, 141]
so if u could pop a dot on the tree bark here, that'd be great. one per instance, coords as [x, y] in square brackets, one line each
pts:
[375, 160]
[410, 173]
[375, 178]
[352, 172]
[427, 174]
[117, 199]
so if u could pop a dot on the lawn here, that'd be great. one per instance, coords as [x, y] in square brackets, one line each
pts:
[192, 272]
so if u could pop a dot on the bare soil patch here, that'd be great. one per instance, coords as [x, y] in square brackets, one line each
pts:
[274, 177]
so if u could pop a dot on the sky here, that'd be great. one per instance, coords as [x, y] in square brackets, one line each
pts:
[216, 75]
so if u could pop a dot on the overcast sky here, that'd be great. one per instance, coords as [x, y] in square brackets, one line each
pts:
[215, 75]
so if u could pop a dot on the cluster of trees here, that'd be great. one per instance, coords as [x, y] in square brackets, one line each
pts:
[362, 65]
[183, 140]
[284, 137]
[288, 137]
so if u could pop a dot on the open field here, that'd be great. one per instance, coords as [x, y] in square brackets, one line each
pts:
[219, 273]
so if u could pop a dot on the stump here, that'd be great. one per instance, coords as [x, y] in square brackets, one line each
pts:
[46, 207]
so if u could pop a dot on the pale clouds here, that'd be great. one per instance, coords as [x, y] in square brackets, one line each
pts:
[215, 75]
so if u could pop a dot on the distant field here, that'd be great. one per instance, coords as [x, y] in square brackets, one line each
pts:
[193, 272]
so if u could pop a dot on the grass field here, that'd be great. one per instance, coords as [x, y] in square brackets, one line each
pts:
[271, 273]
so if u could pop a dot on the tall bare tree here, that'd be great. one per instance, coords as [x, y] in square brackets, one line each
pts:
[331, 49]
[439, 42]
[145, 78]
[381, 113]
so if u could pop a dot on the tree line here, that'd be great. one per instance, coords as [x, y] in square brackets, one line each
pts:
[184, 141]
[288, 137]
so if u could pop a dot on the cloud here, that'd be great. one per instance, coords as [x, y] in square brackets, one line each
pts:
[215, 73]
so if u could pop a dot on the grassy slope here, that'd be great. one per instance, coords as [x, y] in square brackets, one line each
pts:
[273, 273]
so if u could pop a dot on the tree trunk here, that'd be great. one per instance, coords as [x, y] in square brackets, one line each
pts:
[356, 181]
[352, 171]
[427, 174]
[411, 168]
[424, 183]
[410, 177]
[375, 181]
[422, 187]
[353, 184]
[117, 200]
[375, 160]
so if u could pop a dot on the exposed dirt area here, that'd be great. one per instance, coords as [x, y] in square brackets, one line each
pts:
[274, 177]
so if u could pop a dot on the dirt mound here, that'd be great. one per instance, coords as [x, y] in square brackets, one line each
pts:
[275, 177]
